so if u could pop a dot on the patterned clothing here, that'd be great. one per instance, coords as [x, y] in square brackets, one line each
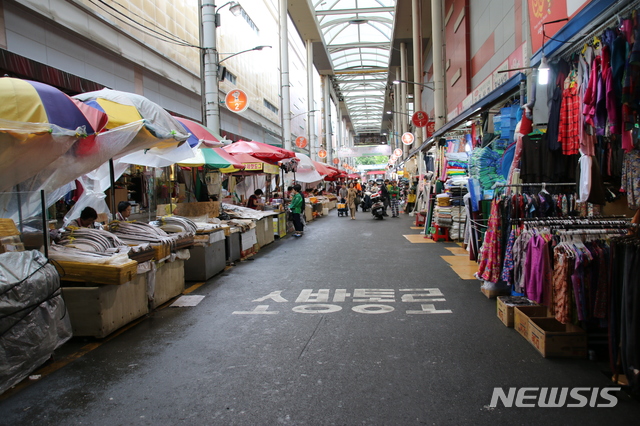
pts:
[395, 207]
[631, 178]
[489, 268]
[507, 267]
[569, 127]
[561, 289]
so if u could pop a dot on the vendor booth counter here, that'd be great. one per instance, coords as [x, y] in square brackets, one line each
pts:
[103, 298]
[280, 224]
[264, 230]
[208, 256]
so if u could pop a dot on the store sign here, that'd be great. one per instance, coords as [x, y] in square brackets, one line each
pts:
[359, 151]
[271, 169]
[408, 138]
[252, 167]
[431, 128]
[397, 152]
[322, 153]
[364, 301]
[336, 161]
[420, 119]
[237, 101]
[541, 11]
[370, 139]
[301, 142]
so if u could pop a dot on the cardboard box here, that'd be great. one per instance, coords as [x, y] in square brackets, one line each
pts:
[521, 315]
[492, 294]
[553, 339]
[505, 307]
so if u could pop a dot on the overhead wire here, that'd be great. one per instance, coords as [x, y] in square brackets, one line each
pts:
[162, 37]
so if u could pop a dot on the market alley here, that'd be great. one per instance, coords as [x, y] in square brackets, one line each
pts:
[350, 324]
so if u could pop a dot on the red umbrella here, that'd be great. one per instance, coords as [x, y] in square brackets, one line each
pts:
[260, 150]
[354, 176]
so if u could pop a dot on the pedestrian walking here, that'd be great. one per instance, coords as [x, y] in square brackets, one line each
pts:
[352, 194]
[394, 198]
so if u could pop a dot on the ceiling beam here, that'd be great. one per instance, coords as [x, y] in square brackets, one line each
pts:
[352, 11]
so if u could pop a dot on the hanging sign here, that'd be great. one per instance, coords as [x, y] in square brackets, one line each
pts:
[336, 161]
[301, 142]
[397, 152]
[431, 128]
[322, 153]
[408, 138]
[420, 119]
[393, 157]
[237, 101]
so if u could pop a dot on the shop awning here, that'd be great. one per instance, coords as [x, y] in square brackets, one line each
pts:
[487, 102]
[260, 150]
[252, 165]
[215, 158]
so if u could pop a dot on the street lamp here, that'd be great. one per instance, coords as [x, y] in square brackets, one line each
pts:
[244, 51]
[413, 82]
[306, 112]
[210, 61]
[398, 112]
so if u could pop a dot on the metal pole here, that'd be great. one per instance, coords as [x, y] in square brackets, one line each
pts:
[438, 63]
[20, 224]
[311, 120]
[403, 93]
[112, 179]
[327, 112]
[417, 66]
[210, 65]
[45, 230]
[284, 65]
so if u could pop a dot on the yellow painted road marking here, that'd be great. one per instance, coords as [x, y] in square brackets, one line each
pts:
[416, 227]
[458, 251]
[462, 266]
[418, 238]
[192, 288]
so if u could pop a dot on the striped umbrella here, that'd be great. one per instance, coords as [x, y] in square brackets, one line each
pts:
[199, 133]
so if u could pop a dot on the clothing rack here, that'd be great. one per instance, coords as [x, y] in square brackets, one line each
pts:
[542, 184]
[619, 231]
[576, 45]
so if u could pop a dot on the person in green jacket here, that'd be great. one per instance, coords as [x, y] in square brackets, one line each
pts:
[297, 207]
[394, 197]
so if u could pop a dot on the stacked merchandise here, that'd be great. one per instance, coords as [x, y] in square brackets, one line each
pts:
[442, 214]
[483, 167]
[457, 191]
[456, 169]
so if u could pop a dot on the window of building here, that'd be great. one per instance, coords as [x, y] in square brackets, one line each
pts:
[230, 78]
[270, 106]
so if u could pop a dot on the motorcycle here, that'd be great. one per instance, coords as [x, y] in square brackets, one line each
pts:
[377, 208]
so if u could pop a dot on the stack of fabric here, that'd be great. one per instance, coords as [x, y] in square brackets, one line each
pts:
[443, 216]
[457, 167]
[483, 167]
[459, 218]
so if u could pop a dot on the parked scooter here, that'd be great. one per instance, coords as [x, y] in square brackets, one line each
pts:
[377, 208]
[366, 202]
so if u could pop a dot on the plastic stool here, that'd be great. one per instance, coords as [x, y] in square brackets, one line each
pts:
[420, 218]
[440, 233]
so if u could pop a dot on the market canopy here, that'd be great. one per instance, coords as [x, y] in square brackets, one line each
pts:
[260, 150]
[306, 170]
[215, 158]
[199, 133]
[252, 164]
[39, 124]
[152, 128]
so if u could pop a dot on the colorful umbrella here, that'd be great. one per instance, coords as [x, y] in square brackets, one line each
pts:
[199, 133]
[260, 150]
[38, 124]
[215, 158]
[157, 128]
